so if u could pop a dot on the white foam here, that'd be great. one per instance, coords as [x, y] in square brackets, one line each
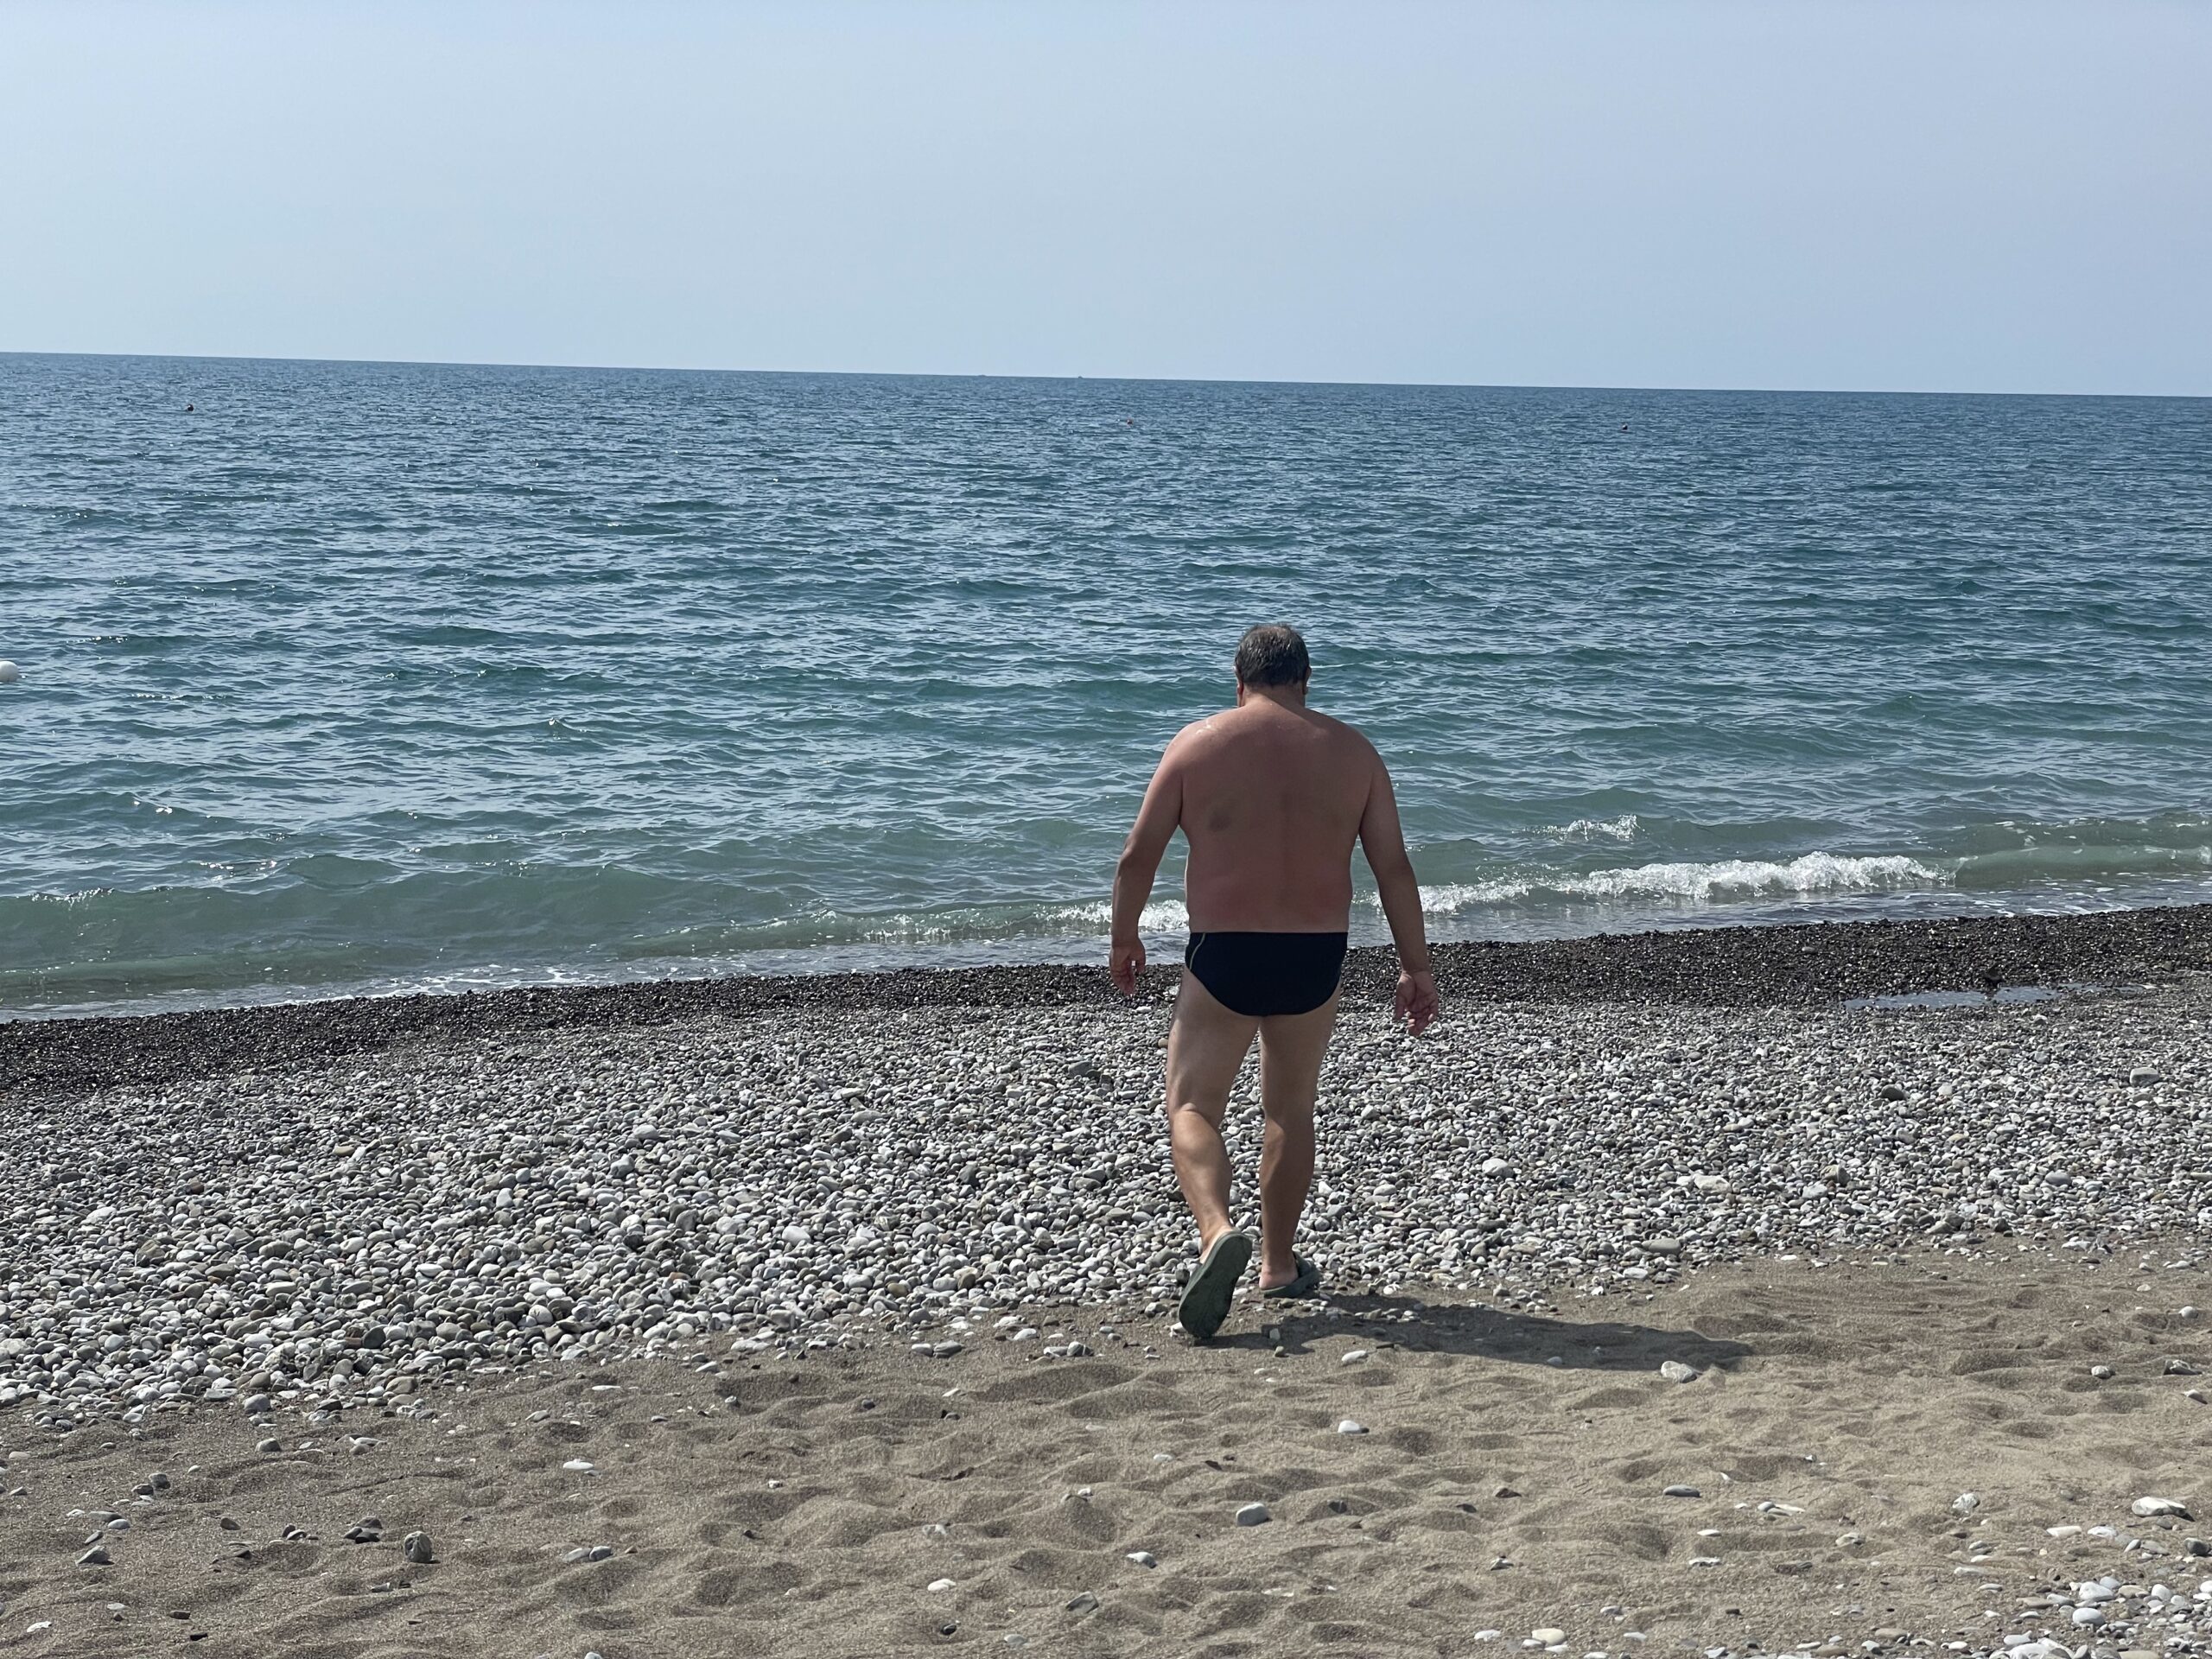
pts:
[1730, 878]
[1621, 829]
[1160, 916]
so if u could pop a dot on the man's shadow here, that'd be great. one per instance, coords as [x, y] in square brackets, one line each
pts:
[1480, 1331]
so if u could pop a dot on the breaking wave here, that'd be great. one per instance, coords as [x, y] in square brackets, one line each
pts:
[1733, 878]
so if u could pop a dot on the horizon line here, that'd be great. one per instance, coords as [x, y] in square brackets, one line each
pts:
[1124, 379]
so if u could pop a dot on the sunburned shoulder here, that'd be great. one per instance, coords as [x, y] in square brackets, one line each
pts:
[1342, 729]
[1200, 736]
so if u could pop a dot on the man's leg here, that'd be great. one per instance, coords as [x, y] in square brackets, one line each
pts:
[1206, 1046]
[1291, 1048]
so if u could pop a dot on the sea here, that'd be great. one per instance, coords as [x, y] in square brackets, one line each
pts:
[361, 677]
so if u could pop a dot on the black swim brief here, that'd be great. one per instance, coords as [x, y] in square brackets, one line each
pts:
[1261, 974]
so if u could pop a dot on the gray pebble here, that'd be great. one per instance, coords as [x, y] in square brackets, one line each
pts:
[416, 1546]
[1253, 1515]
[1018, 1185]
[1682, 1491]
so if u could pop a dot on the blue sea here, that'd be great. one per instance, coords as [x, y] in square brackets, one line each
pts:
[371, 677]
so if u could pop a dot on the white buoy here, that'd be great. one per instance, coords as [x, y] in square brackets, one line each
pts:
[10, 673]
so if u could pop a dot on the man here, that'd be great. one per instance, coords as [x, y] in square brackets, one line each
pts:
[1270, 796]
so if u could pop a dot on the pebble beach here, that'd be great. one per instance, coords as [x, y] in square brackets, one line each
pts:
[1858, 1205]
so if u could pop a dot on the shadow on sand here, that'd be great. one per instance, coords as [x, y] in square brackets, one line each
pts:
[1485, 1333]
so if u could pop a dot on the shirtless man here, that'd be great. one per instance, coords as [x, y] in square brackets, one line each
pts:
[1270, 796]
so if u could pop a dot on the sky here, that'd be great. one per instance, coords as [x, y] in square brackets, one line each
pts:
[2001, 195]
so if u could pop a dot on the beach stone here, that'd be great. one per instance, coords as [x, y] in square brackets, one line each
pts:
[1547, 1634]
[1682, 1491]
[417, 1548]
[1353, 1356]
[1349, 1427]
[256, 1405]
[1143, 1558]
[269, 1444]
[2102, 1373]
[1253, 1515]
[96, 1556]
[1675, 1371]
[1085, 1603]
[2148, 1508]
[2142, 1076]
[939, 1585]
[2088, 1617]
[1966, 1502]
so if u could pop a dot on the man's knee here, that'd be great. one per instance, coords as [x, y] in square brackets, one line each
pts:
[1292, 1117]
[1183, 1105]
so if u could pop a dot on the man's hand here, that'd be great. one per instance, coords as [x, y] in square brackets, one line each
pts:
[1417, 999]
[1125, 960]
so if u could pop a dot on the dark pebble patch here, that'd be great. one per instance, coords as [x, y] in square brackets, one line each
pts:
[1732, 967]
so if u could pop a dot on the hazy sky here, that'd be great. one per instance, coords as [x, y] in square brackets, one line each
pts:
[1931, 194]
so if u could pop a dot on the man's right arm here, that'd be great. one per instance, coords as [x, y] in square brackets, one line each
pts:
[1383, 840]
[1157, 821]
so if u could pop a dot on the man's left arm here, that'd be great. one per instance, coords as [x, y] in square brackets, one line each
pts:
[1157, 820]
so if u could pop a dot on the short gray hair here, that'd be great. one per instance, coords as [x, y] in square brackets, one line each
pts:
[1272, 654]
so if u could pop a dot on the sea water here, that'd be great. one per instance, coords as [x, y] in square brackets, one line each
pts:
[375, 676]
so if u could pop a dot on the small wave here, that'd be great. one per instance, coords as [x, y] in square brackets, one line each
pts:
[1621, 829]
[1160, 916]
[1813, 872]
[2027, 866]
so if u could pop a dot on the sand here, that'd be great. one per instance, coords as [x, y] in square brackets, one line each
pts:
[1512, 1478]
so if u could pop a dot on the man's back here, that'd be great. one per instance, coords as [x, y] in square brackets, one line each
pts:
[1273, 797]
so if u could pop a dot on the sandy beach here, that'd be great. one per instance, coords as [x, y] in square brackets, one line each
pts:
[796, 1302]
[1512, 1476]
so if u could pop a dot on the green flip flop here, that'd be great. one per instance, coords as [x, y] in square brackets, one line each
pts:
[1213, 1282]
[1307, 1281]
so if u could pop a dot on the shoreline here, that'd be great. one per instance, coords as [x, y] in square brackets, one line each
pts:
[1797, 965]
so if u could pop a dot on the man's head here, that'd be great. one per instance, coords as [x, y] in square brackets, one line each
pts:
[1271, 658]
